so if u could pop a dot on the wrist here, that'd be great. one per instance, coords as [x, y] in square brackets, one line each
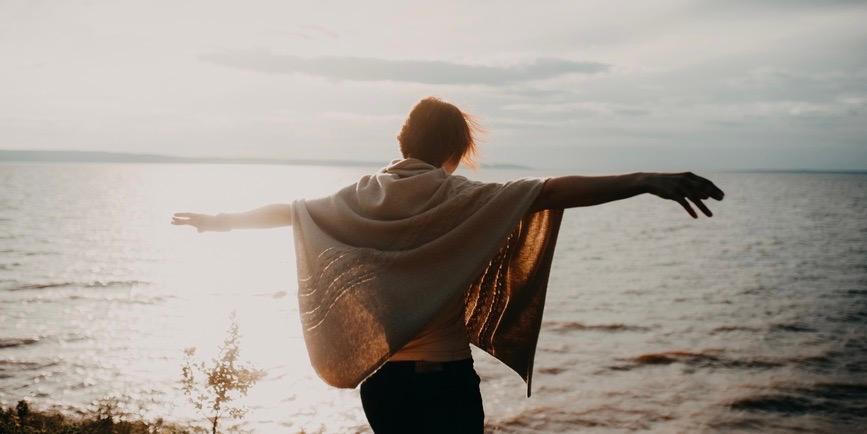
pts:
[641, 182]
[222, 222]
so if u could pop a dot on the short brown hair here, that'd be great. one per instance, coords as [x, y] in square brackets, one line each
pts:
[436, 131]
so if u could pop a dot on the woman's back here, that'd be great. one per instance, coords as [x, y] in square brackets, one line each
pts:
[443, 339]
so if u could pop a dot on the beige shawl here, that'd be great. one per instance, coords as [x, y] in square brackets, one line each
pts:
[378, 259]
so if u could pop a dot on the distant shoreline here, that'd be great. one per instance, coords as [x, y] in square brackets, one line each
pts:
[122, 157]
[817, 171]
[52, 156]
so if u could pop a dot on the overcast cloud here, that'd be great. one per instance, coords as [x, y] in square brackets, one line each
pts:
[412, 71]
[593, 85]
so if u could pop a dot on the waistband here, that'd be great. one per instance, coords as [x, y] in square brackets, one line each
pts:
[424, 366]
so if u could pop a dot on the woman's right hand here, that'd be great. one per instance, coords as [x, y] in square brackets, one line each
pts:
[682, 186]
[202, 222]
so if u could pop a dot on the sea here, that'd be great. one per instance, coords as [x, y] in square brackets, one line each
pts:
[754, 320]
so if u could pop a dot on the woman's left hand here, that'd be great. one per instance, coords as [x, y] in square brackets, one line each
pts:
[682, 186]
[202, 222]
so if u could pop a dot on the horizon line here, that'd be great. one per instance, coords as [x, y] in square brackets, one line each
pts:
[64, 155]
[84, 156]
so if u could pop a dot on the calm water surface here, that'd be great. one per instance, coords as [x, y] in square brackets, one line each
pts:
[752, 321]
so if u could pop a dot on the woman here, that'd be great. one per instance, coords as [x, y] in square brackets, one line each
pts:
[401, 271]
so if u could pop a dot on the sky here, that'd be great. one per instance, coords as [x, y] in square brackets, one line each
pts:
[585, 85]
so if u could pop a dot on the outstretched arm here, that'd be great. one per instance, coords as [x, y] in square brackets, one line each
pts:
[575, 191]
[268, 216]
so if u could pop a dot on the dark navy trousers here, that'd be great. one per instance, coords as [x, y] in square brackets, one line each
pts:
[424, 397]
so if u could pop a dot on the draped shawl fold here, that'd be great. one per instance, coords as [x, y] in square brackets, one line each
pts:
[380, 258]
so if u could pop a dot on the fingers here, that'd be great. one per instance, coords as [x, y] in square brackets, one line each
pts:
[686, 206]
[711, 190]
[185, 218]
[694, 193]
[716, 193]
[707, 186]
[687, 185]
[701, 206]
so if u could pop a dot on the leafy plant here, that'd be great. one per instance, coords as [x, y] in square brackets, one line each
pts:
[212, 389]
